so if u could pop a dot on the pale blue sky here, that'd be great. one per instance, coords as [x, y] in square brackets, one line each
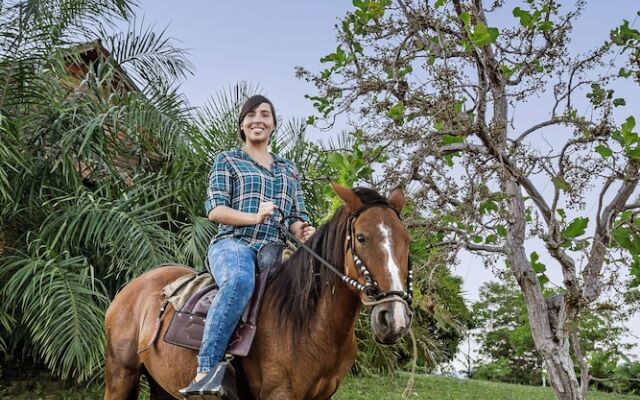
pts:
[256, 41]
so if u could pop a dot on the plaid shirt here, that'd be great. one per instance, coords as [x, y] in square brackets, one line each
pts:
[238, 182]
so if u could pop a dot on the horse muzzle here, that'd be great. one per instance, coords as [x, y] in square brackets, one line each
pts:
[390, 321]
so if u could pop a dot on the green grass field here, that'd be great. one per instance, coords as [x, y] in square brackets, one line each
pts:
[354, 388]
[446, 388]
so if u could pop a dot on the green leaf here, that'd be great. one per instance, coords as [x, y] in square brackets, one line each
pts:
[396, 112]
[502, 231]
[527, 215]
[525, 17]
[451, 139]
[466, 18]
[619, 102]
[604, 151]
[635, 271]
[635, 153]
[449, 159]
[507, 72]
[539, 268]
[628, 125]
[483, 35]
[622, 236]
[439, 3]
[487, 207]
[560, 183]
[546, 26]
[624, 73]
[492, 238]
[576, 228]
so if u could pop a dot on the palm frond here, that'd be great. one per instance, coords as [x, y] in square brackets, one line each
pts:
[147, 56]
[130, 229]
[6, 324]
[194, 239]
[62, 306]
[11, 161]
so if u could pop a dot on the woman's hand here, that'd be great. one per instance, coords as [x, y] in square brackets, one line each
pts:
[265, 210]
[302, 230]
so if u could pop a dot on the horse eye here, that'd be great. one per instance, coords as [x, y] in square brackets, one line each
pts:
[360, 237]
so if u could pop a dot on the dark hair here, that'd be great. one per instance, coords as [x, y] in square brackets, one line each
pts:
[251, 104]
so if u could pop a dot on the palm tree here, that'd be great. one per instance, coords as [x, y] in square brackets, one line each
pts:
[84, 172]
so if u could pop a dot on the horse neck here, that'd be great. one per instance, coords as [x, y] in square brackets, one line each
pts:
[321, 304]
[339, 307]
[337, 312]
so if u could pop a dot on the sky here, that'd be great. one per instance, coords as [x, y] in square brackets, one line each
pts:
[262, 42]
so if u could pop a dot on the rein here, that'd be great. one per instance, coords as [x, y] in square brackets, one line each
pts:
[370, 288]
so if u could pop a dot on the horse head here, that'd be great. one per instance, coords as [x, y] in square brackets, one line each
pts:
[377, 258]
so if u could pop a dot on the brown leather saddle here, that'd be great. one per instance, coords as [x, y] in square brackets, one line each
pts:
[187, 325]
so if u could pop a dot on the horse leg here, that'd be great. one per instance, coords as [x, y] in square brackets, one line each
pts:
[156, 391]
[122, 364]
[122, 379]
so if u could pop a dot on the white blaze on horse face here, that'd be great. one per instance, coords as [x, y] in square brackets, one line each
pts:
[399, 318]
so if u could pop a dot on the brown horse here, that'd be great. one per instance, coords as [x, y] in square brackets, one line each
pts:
[305, 343]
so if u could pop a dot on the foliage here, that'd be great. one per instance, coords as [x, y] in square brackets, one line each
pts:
[437, 85]
[506, 343]
[86, 200]
[504, 336]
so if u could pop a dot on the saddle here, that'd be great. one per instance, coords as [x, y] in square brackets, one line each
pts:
[191, 296]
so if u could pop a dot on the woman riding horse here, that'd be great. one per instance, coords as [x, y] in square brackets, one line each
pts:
[305, 342]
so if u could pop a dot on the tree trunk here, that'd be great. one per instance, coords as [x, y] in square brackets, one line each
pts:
[554, 348]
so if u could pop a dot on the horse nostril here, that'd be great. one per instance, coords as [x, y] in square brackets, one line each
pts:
[382, 317]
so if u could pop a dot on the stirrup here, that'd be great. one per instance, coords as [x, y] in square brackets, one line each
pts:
[218, 384]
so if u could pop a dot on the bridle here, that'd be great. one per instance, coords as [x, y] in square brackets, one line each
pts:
[370, 288]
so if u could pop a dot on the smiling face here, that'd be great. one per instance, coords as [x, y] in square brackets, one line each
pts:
[258, 124]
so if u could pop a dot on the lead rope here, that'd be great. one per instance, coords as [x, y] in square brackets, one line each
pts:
[412, 375]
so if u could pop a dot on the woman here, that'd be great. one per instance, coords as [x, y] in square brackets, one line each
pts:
[245, 187]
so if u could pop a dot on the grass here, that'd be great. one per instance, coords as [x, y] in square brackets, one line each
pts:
[447, 388]
[41, 387]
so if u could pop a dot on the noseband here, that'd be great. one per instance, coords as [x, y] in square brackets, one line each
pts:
[370, 288]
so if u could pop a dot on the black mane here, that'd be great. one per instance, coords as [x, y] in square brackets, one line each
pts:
[302, 281]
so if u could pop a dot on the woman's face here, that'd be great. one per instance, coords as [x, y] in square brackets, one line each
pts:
[257, 125]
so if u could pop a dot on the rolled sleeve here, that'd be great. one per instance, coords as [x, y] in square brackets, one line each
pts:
[219, 187]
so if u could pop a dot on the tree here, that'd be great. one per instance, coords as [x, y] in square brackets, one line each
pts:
[506, 344]
[435, 84]
[504, 336]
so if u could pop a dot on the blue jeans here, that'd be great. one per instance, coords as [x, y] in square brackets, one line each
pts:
[232, 264]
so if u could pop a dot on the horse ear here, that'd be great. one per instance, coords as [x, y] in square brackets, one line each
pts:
[350, 199]
[396, 199]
